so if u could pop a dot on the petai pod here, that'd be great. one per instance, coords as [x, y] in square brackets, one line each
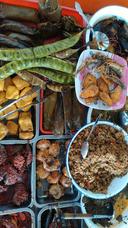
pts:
[39, 51]
[48, 62]
[56, 76]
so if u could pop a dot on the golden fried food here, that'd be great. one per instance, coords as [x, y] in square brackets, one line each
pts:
[53, 178]
[88, 80]
[91, 91]
[2, 97]
[65, 181]
[11, 116]
[1, 85]
[56, 190]
[115, 95]
[41, 154]
[26, 101]
[90, 100]
[105, 98]
[103, 86]
[26, 135]
[64, 171]
[20, 83]
[54, 149]
[3, 131]
[7, 82]
[41, 172]
[120, 205]
[25, 121]
[51, 166]
[12, 92]
[12, 128]
[43, 144]
[106, 80]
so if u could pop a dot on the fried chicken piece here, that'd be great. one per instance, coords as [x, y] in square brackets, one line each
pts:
[51, 165]
[20, 83]
[53, 178]
[88, 80]
[19, 162]
[115, 95]
[42, 154]
[43, 144]
[103, 87]
[12, 176]
[21, 195]
[105, 98]
[25, 121]
[12, 92]
[2, 97]
[91, 91]
[1, 85]
[54, 149]
[3, 131]
[90, 100]
[65, 181]
[11, 116]
[26, 135]
[12, 128]
[56, 191]
[41, 172]
[3, 154]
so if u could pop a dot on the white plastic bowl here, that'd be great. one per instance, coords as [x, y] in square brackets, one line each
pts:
[116, 185]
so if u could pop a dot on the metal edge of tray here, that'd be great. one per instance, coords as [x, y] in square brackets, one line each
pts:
[89, 115]
[34, 176]
[9, 212]
[74, 204]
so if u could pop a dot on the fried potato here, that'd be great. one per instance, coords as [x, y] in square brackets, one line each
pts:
[11, 116]
[105, 98]
[102, 85]
[12, 128]
[25, 101]
[2, 97]
[20, 83]
[7, 82]
[91, 91]
[12, 92]
[90, 100]
[3, 131]
[26, 135]
[88, 80]
[1, 85]
[25, 122]
[115, 95]
[106, 80]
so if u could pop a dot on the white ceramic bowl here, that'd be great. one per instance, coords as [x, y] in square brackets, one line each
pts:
[116, 185]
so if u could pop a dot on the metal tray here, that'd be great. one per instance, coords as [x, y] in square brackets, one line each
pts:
[70, 196]
[74, 207]
[10, 212]
[9, 207]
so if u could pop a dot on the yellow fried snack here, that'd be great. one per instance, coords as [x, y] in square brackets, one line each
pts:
[12, 128]
[88, 80]
[26, 135]
[91, 91]
[3, 131]
[12, 92]
[102, 85]
[105, 98]
[1, 85]
[7, 82]
[25, 101]
[106, 80]
[12, 116]
[90, 100]
[20, 83]
[25, 122]
[115, 95]
[2, 97]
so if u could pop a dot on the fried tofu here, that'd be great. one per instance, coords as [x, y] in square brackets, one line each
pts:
[7, 82]
[20, 83]
[25, 122]
[3, 131]
[12, 128]
[91, 91]
[115, 95]
[88, 80]
[11, 116]
[25, 101]
[1, 85]
[26, 135]
[2, 97]
[103, 87]
[12, 92]
[105, 98]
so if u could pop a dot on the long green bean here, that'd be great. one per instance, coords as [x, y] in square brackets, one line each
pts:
[39, 51]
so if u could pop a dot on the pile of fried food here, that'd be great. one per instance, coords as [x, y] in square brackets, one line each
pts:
[49, 168]
[108, 87]
[14, 163]
[107, 158]
[17, 220]
[16, 123]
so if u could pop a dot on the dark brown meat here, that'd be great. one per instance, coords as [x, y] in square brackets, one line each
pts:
[12, 176]
[21, 195]
[3, 155]
[19, 162]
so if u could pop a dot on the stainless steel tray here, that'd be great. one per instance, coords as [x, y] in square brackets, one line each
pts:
[71, 196]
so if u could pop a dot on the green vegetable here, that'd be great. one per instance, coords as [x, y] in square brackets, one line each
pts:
[48, 62]
[40, 51]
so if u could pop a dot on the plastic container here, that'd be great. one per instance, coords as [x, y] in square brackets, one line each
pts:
[116, 185]
[71, 195]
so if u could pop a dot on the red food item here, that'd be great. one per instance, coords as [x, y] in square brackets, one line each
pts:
[3, 188]
[7, 222]
[12, 176]
[3, 155]
[21, 195]
[13, 149]
[27, 153]
[19, 162]
[2, 171]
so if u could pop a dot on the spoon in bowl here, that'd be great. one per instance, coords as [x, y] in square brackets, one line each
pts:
[85, 145]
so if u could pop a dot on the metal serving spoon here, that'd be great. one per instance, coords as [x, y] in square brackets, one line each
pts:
[100, 37]
[85, 145]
